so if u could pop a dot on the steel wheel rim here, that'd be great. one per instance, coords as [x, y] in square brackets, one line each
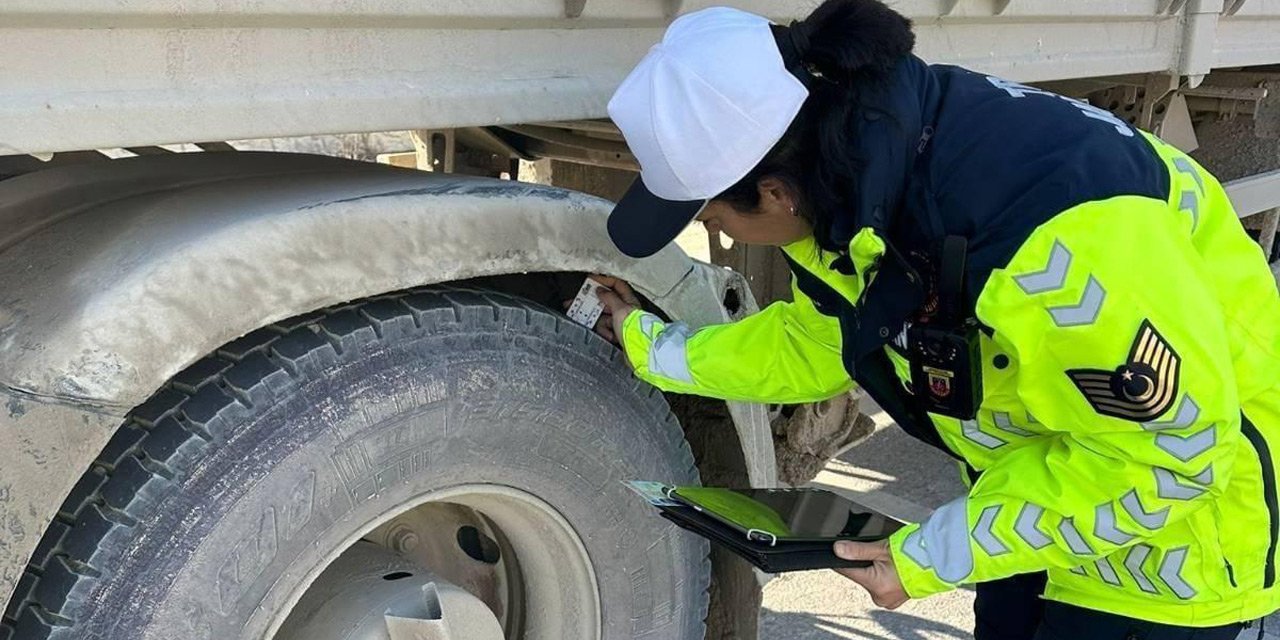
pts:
[561, 599]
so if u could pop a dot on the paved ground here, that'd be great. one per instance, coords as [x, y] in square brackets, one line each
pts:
[891, 472]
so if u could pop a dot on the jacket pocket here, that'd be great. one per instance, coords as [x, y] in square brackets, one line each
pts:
[1263, 450]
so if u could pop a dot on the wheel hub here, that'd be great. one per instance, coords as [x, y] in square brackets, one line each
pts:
[370, 593]
[473, 562]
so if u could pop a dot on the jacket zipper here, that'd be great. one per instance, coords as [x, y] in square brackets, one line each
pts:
[1268, 494]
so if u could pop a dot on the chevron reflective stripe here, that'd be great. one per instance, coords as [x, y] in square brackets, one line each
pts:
[1188, 200]
[1183, 165]
[1150, 519]
[1003, 423]
[983, 534]
[1072, 536]
[1084, 312]
[1079, 571]
[973, 433]
[1052, 277]
[1204, 477]
[1168, 487]
[1190, 203]
[1104, 525]
[1027, 526]
[668, 356]
[1133, 563]
[1186, 448]
[1187, 414]
[1170, 573]
[913, 547]
[1106, 572]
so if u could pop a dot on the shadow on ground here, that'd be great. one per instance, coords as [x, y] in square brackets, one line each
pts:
[891, 625]
[908, 468]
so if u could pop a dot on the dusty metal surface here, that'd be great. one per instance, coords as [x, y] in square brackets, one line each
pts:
[371, 593]
[1255, 194]
[113, 278]
[83, 74]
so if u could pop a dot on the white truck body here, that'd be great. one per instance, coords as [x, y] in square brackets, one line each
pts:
[91, 74]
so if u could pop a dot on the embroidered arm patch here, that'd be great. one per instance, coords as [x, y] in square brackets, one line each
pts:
[1142, 388]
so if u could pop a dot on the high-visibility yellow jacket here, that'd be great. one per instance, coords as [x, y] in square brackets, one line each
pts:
[1130, 419]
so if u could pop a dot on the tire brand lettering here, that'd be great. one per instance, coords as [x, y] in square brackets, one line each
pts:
[389, 454]
[251, 556]
[247, 561]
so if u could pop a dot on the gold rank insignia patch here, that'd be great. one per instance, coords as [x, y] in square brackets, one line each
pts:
[1141, 389]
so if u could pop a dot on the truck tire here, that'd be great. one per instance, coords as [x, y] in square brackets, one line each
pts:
[225, 494]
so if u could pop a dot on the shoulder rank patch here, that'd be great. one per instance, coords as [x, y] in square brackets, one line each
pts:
[1142, 388]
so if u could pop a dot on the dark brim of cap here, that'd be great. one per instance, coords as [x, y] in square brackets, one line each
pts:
[641, 223]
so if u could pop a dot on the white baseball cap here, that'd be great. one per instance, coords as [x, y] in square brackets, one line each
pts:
[700, 111]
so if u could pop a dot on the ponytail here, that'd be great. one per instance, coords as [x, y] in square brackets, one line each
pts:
[854, 41]
[844, 52]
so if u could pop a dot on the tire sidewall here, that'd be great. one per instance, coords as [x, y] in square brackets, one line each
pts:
[321, 455]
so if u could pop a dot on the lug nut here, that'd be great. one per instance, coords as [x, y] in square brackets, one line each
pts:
[404, 540]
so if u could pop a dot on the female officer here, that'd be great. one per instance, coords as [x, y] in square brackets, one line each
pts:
[1064, 303]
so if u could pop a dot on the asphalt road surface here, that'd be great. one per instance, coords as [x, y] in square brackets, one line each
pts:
[892, 472]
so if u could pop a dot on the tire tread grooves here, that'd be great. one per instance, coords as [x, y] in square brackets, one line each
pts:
[165, 433]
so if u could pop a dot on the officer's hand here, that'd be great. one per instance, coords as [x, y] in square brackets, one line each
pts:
[881, 578]
[619, 301]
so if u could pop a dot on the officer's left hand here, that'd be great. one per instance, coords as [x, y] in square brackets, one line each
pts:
[619, 301]
[881, 578]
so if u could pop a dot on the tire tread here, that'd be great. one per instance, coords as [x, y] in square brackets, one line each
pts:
[166, 434]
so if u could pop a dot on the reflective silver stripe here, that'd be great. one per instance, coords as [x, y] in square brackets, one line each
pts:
[1189, 447]
[946, 539]
[1171, 573]
[1003, 423]
[1189, 202]
[1133, 562]
[1104, 525]
[1204, 477]
[1052, 277]
[1188, 412]
[1168, 487]
[973, 433]
[1107, 572]
[1079, 571]
[1031, 419]
[647, 323]
[1027, 526]
[1133, 506]
[1183, 165]
[668, 357]
[1072, 536]
[984, 536]
[1084, 312]
[913, 547]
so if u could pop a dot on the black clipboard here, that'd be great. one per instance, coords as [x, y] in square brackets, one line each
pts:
[765, 551]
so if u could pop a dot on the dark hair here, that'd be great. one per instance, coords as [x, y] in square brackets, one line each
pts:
[848, 48]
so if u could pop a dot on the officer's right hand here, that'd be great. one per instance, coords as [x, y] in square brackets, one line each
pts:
[619, 301]
[881, 579]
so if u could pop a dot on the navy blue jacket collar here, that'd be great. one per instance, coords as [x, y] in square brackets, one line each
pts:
[894, 129]
[894, 124]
